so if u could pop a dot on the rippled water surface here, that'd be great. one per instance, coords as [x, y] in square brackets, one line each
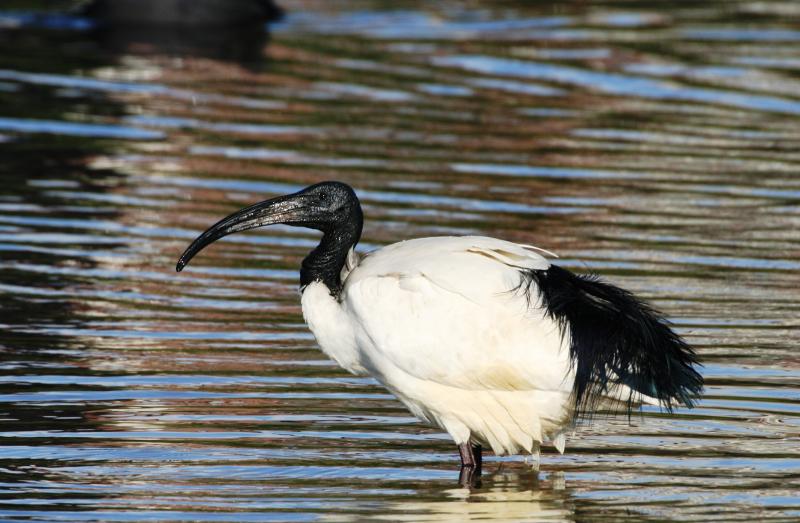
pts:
[656, 143]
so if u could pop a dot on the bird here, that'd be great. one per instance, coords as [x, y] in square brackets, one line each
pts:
[486, 339]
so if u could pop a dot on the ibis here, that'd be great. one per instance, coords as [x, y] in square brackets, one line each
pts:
[483, 338]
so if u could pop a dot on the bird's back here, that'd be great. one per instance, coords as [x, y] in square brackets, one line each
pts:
[467, 265]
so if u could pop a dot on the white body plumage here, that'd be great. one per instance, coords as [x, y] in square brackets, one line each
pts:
[442, 323]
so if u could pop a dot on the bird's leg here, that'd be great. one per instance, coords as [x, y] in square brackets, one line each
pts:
[471, 460]
[477, 453]
[535, 458]
[467, 458]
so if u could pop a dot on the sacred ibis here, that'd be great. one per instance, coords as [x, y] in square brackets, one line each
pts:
[483, 338]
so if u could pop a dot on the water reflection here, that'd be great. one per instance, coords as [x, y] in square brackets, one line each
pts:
[43, 262]
[242, 43]
[652, 143]
[234, 30]
[505, 496]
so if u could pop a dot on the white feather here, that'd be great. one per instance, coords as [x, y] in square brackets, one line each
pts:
[332, 327]
[441, 323]
[560, 442]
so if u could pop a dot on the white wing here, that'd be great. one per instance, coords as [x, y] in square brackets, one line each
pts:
[450, 310]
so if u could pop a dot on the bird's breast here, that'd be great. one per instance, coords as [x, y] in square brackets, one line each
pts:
[331, 326]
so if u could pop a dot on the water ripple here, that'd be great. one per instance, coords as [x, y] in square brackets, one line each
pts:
[652, 143]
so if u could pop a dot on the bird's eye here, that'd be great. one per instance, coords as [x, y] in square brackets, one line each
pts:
[323, 196]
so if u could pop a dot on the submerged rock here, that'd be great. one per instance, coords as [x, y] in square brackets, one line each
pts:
[234, 29]
[181, 12]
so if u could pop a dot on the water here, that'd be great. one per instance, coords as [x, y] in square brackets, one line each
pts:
[654, 143]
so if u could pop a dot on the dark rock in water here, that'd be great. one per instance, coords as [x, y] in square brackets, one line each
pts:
[234, 29]
[239, 43]
[181, 12]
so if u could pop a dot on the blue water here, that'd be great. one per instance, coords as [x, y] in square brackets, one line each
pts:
[652, 142]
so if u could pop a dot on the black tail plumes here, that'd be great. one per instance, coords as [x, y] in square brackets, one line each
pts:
[615, 339]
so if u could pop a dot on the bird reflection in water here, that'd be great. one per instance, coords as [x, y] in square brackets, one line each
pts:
[506, 496]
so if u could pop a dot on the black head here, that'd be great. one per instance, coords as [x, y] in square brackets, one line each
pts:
[330, 207]
[327, 206]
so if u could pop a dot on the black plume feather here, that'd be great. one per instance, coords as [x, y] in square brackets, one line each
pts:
[615, 338]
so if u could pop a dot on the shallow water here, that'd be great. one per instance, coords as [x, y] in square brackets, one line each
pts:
[654, 144]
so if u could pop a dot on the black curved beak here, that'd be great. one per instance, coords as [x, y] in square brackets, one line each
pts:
[291, 209]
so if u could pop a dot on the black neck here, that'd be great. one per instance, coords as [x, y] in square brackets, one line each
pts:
[325, 263]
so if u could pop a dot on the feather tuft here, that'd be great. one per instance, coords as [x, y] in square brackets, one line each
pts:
[614, 339]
